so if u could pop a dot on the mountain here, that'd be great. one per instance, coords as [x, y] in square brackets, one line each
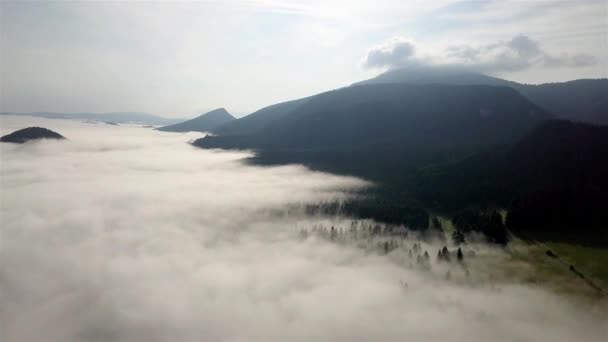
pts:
[450, 141]
[256, 121]
[415, 115]
[579, 100]
[259, 119]
[204, 123]
[31, 133]
[116, 117]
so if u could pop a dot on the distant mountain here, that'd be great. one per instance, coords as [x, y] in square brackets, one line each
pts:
[417, 115]
[579, 100]
[116, 117]
[259, 119]
[31, 133]
[204, 123]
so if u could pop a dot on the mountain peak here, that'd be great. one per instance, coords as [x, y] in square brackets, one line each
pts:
[218, 112]
[202, 123]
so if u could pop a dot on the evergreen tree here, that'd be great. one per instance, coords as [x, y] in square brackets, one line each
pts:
[445, 253]
[459, 254]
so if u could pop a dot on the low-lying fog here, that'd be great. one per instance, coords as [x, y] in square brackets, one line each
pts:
[126, 233]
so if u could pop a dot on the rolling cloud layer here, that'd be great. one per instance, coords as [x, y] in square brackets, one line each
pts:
[124, 233]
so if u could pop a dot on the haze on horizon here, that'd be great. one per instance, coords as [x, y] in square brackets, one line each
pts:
[178, 60]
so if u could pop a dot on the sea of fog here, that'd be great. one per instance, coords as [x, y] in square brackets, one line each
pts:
[124, 233]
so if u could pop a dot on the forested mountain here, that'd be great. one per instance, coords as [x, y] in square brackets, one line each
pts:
[450, 141]
[203, 123]
[31, 133]
[414, 115]
[258, 120]
[116, 117]
[446, 148]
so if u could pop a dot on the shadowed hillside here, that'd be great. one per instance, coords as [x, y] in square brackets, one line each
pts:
[421, 115]
[579, 100]
[258, 120]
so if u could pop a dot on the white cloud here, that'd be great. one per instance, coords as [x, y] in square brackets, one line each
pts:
[518, 53]
[396, 52]
[176, 58]
[129, 234]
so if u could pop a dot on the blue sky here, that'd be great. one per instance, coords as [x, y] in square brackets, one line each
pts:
[179, 59]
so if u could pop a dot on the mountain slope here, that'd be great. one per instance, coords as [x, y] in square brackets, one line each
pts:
[416, 115]
[31, 133]
[552, 179]
[256, 121]
[203, 123]
[579, 100]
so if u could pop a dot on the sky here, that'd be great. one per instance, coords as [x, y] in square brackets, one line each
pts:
[123, 233]
[182, 59]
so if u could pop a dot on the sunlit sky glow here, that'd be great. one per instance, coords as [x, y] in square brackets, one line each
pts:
[182, 59]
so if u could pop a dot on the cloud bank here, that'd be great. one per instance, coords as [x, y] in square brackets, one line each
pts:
[519, 53]
[128, 234]
[394, 53]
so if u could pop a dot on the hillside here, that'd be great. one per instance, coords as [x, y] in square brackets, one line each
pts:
[203, 123]
[417, 115]
[447, 148]
[579, 100]
[31, 133]
[559, 167]
[258, 120]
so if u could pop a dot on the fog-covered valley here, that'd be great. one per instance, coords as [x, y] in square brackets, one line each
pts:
[127, 233]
